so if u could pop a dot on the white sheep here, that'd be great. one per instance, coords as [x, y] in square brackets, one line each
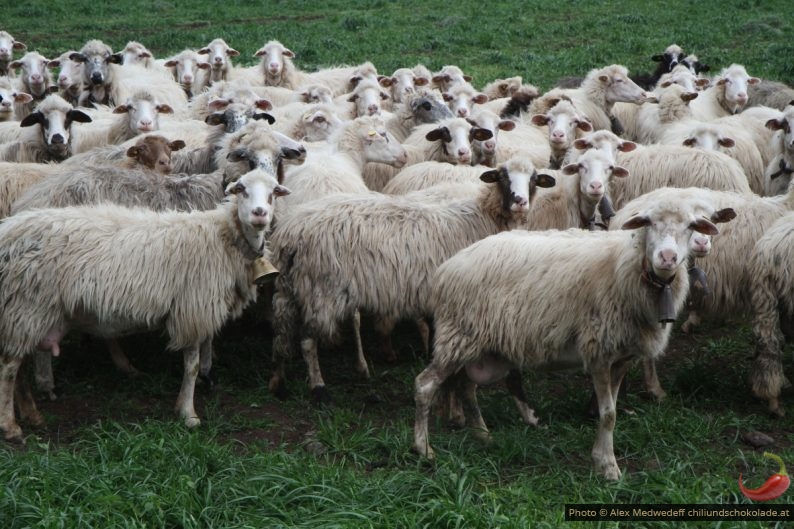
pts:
[35, 79]
[136, 53]
[347, 253]
[485, 152]
[16, 178]
[565, 125]
[365, 100]
[51, 140]
[778, 172]
[7, 46]
[316, 123]
[727, 94]
[571, 292]
[70, 77]
[461, 99]
[10, 97]
[449, 76]
[425, 175]
[219, 56]
[108, 249]
[771, 94]
[276, 67]
[771, 296]
[401, 84]
[190, 71]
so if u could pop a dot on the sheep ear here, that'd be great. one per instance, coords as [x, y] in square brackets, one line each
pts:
[540, 120]
[235, 187]
[385, 82]
[288, 53]
[637, 221]
[145, 55]
[238, 155]
[584, 125]
[55, 63]
[34, 118]
[15, 64]
[753, 81]
[775, 124]
[447, 97]
[479, 99]
[723, 215]
[78, 116]
[571, 168]
[292, 154]
[280, 191]
[720, 82]
[264, 115]
[170, 64]
[703, 82]
[704, 226]
[703, 68]
[215, 119]
[259, 52]
[689, 96]
[206, 51]
[51, 89]
[218, 104]
[689, 142]
[164, 109]
[116, 58]
[666, 84]
[231, 52]
[22, 97]
[121, 109]
[441, 133]
[263, 104]
[507, 125]
[582, 144]
[133, 151]
[467, 78]
[657, 58]
[440, 79]
[352, 99]
[603, 78]
[421, 81]
[627, 146]
[78, 57]
[489, 177]
[726, 142]
[203, 65]
[620, 172]
[19, 45]
[544, 180]
[176, 145]
[384, 96]
[480, 134]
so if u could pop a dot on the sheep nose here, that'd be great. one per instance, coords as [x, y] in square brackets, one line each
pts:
[218, 59]
[372, 110]
[57, 139]
[490, 145]
[145, 124]
[558, 135]
[521, 201]
[669, 257]
[96, 78]
[3, 51]
[673, 64]
[36, 78]
[258, 212]
[463, 112]
[273, 67]
[187, 79]
[596, 187]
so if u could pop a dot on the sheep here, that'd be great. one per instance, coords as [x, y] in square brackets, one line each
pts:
[316, 123]
[136, 53]
[190, 71]
[600, 90]
[106, 242]
[484, 152]
[16, 178]
[425, 175]
[654, 122]
[139, 114]
[692, 62]
[219, 57]
[36, 80]
[672, 56]
[153, 152]
[346, 253]
[727, 94]
[448, 77]
[778, 172]
[401, 83]
[277, 67]
[52, 142]
[654, 166]
[538, 279]
[337, 168]
[10, 97]
[501, 88]
[581, 186]
[416, 109]
[7, 46]
[366, 99]
[70, 77]
[521, 101]
[99, 72]
[730, 278]
[446, 141]
[771, 298]
[461, 98]
[222, 94]
[770, 93]
[564, 124]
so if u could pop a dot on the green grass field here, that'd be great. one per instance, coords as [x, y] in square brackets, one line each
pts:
[113, 454]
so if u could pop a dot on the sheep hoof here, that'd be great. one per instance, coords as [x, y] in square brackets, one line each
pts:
[322, 396]
[612, 473]
[192, 422]
[13, 435]
[483, 436]
[425, 451]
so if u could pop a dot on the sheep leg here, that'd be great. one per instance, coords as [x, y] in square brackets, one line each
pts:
[120, 359]
[652, 383]
[603, 451]
[766, 374]
[467, 391]
[206, 354]
[316, 382]
[9, 366]
[692, 321]
[24, 396]
[423, 326]
[44, 377]
[384, 328]
[361, 360]
[516, 389]
[426, 386]
[184, 403]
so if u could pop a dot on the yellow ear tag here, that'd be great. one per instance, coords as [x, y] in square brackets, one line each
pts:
[372, 133]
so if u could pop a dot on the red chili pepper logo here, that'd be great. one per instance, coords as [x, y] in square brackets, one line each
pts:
[773, 487]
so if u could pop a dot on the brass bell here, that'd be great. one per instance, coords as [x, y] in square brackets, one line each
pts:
[264, 271]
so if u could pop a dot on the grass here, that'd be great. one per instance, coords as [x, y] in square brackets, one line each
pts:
[113, 455]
